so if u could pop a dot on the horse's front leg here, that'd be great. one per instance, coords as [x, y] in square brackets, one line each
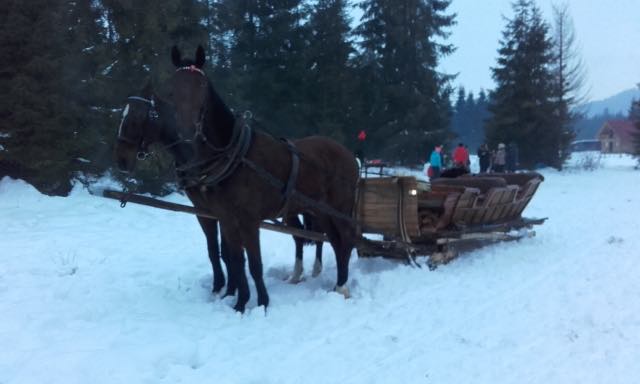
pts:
[252, 246]
[237, 274]
[210, 229]
[228, 261]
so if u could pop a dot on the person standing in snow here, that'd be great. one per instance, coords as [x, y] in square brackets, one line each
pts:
[499, 159]
[436, 162]
[460, 157]
[484, 157]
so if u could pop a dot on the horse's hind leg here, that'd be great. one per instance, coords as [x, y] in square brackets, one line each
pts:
[317, 265]
[298, 268]
[343, 243]
[210, 229]
[311, 223]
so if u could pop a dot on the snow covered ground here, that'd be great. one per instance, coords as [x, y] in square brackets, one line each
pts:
[92, 293]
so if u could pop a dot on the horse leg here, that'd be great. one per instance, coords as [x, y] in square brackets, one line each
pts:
[298, 268]
[228, 261]
[317, 265]
[252, 245]
[310, 223]
[210, 229]
[237, 273]
[343, 242]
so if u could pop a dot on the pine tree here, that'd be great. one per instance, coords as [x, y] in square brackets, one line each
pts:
[406, 108]
[569, 75]
[522, 106]
[480, 116]
[84, 40]
[141, 37]
[41, 106]
[468, 118]
[329, 90]
[267, 61]
[634, 116]
[462, 119]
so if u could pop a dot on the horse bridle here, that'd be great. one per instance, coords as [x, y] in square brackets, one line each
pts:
[200, 123]
[152, 115]
[199, 132]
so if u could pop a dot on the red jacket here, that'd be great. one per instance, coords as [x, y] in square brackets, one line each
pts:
[461, 156]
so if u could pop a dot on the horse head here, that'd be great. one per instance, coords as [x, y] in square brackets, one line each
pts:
[201, 115]
[136, 132]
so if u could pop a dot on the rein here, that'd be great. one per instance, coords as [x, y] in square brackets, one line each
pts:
[222, 162]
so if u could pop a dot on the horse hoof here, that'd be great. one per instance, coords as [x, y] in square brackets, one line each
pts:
[295, 279]
[343, 290]
[229, 293]
[216, 290]
[298, 272]
[436, 259]
[239, 308]
[317, 269]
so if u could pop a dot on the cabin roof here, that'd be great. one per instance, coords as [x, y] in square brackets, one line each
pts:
[622, 128]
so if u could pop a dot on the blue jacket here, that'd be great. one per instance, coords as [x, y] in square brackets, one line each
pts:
[436, 159]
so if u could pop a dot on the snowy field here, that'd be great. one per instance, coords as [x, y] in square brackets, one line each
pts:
[92, 293]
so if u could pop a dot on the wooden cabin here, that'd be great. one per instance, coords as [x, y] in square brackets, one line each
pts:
[616, 136]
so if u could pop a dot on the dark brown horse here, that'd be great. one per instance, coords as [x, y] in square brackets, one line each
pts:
[250, 176]
[147, 119]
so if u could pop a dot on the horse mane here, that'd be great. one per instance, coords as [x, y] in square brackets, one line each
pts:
[220, 112]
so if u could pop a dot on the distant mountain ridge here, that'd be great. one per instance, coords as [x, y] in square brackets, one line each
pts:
[618, 103]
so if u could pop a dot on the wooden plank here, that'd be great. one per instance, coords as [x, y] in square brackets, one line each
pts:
[379, 202]
[488, 206]
[467, 200]
[508, 199]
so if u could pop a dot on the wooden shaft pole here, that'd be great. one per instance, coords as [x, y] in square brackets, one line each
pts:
[156, 203]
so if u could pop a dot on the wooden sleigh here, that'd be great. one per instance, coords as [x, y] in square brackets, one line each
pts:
[440, 218]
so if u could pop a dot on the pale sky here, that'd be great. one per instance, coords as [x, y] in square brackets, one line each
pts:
[607, 32]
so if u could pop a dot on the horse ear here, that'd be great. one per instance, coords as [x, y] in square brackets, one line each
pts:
[200, 57]
[176, 57]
